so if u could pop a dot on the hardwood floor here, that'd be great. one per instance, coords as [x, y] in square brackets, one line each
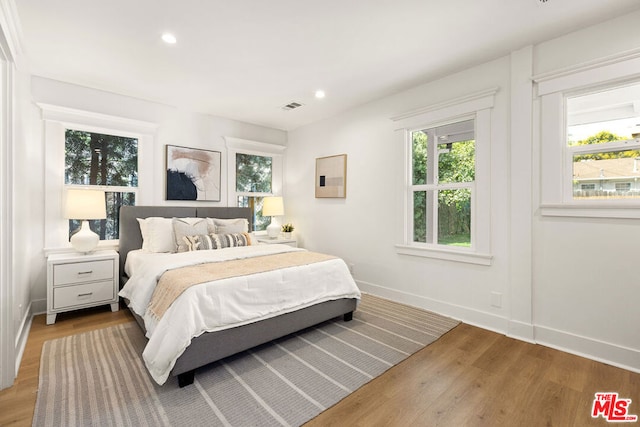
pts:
[469, 377]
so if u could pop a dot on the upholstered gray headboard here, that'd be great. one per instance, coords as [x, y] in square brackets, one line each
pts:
[131, 238]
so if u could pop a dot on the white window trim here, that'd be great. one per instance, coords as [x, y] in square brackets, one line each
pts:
[57, 119]
[556, 157]
[256, 148]
[9, 353]
[478, 106]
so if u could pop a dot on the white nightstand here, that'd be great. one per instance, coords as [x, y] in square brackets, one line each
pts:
[78, 281]
[277, 241]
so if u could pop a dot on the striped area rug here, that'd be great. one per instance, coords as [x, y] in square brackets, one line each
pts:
[98, 378]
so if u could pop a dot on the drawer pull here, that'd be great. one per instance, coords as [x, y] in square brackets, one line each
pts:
[85, 272]
[85, 295]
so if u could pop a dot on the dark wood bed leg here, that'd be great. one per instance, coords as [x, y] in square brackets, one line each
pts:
[186, 378]
[348, 316]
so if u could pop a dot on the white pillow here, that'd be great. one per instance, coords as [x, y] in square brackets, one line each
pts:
[157, 234]
[187, 227]
[228, 226]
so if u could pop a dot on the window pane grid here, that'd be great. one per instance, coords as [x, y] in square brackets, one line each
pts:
[442, 179]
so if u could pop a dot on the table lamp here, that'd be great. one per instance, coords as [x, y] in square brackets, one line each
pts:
[84, 205]
[272, 206]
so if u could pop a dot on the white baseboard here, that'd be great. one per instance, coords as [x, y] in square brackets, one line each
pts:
[601, 351]
[611, 354]
[23, 334]
[39, 306]
[470, 316]
[521, 331]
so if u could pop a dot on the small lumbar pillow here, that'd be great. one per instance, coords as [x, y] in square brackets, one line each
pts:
[202, 242]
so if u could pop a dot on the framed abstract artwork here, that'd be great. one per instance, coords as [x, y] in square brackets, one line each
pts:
[331, 176]
[193, 174]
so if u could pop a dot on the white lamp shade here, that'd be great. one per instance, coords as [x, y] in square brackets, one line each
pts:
[85, 204]
[272, 206]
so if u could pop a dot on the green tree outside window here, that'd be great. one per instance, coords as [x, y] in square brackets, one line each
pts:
[102, 160]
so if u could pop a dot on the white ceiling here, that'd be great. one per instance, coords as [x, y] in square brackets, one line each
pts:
[245, 59]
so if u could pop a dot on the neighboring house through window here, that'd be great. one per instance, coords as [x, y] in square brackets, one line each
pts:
[602, 142]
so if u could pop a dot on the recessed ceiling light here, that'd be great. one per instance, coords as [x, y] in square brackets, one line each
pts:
[169, 38]
[320, 94]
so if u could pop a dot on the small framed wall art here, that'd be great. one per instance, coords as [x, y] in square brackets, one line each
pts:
[193, 174]
[331, 176]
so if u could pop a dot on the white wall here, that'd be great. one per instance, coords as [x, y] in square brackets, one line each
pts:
[586, 281]
[364, 227]
[175, 127]
[567, 283]
[28, 170]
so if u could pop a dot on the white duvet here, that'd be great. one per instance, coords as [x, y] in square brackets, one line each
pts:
[224, 303]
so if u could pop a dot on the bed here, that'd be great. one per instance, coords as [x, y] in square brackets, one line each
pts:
[215, 343]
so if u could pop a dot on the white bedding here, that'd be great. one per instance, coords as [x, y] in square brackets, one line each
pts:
[224, 303]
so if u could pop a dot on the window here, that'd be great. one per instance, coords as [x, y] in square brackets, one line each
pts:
[114, 154]
[447, 179]
[443, 175]
[254, 182]
[589, 117]
[623, 187]
[108, 162]
[602, 142]
[257, 172]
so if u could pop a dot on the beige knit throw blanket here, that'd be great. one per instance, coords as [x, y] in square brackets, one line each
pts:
[174, 282]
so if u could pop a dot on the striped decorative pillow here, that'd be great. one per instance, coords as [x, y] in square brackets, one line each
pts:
[202, 242]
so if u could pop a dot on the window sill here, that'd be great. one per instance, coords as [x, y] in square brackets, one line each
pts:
[624, 211]
[446, 254]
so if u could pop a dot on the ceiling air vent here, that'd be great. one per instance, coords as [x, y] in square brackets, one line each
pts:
[291, 106]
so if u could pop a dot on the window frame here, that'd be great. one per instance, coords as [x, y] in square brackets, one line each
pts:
[57, 120]
[556, 156]
[477, 106]
[255, 148]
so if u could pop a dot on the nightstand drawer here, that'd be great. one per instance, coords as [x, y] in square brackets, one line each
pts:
[69, 296]
[81, 272]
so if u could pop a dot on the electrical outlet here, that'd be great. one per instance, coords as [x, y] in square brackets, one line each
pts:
[496, 299]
